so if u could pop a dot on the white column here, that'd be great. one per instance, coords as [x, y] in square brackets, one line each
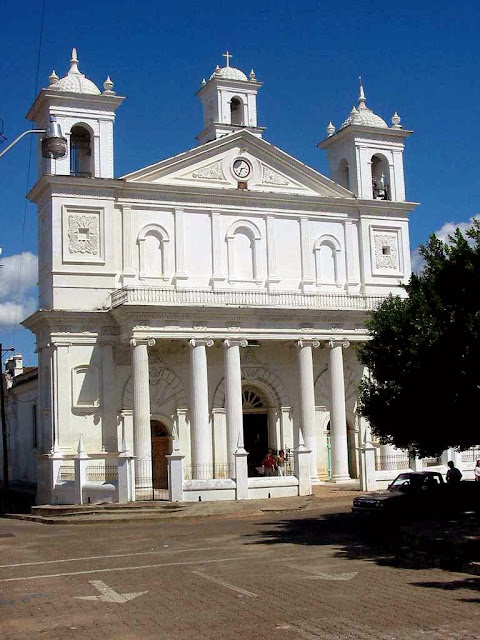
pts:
[307, 399]
[338, 417]
[200, 419]
[109, 413]
[141, 416]
[233, 395]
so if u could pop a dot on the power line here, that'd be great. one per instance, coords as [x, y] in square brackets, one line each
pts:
[37, 75]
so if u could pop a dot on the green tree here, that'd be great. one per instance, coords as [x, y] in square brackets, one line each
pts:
[423, 387]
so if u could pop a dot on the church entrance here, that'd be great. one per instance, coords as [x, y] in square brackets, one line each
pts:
[161, 447]
[255, 428]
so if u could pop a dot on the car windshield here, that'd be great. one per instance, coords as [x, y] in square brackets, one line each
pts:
[403, 480]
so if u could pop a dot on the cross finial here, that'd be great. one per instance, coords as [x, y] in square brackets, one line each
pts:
[227, 55]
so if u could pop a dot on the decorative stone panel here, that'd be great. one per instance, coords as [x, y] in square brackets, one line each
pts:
[83, 235]
[386, 256]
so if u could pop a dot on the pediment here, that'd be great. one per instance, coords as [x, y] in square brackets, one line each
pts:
[212, 165]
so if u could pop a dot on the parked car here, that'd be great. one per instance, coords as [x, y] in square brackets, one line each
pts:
[410, 493]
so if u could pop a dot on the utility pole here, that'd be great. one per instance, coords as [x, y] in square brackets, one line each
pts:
[4, 422]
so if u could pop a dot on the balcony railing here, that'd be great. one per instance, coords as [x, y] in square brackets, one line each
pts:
[239, 298]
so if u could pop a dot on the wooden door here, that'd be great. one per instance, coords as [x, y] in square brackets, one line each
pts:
[160, 448]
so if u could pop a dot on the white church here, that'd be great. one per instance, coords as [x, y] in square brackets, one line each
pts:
[205, 309]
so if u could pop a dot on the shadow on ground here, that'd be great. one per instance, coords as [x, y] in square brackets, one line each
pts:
[380, 542]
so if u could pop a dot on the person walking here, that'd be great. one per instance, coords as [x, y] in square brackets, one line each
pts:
[268, 464]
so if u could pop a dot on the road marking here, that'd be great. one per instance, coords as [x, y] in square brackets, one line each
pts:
[322, 575]
[108, 594]
[111, 570]
[115, 555]
[221, 582]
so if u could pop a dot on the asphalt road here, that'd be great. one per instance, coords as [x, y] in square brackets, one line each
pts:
[288, 575]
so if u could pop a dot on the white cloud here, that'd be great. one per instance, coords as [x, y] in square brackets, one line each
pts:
[18, 274]
[18, 277]
[448, 229]
[12, 313]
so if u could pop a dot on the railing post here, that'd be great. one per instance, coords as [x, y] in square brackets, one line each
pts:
[175, 474]
[126, 480]
[368, 480]
[241, 470]
[80, 463]
[55, 460]
[302, 467]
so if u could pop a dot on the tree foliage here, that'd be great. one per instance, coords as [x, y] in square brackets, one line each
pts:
[423, 387]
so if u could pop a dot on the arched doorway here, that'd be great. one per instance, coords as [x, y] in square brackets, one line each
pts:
[161, 447]
[255, 427]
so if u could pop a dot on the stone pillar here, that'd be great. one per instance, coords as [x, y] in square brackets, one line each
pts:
[141, 417]
[307, 399]
[368, 481]
[126, 483]
[241, 470]
[338, 417]
[199, 414]
[302, 455]
[175, 474]
[233, 396]
[80, 464]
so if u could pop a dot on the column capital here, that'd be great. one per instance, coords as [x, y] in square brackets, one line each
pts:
[136, 342]
[235, 343]
[200, 342]
[338, 343]
[307, 343]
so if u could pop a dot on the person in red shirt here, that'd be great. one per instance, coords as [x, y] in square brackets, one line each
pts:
[268, 464]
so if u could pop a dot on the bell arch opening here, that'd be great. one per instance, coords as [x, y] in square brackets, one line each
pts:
[81, 152]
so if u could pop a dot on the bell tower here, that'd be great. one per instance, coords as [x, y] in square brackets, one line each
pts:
[366, 155]
[86, 117]
[229, 101]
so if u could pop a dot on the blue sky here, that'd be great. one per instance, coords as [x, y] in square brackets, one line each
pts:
[418, 58]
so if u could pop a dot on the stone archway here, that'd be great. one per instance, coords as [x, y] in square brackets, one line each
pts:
[166, 392]
[267, 381]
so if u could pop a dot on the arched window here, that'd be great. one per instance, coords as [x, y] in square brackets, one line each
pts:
[344, 174]
[242, 239]
[152, 242]
[236, 111]
[327, 250]
[381, 178]
[80, 152]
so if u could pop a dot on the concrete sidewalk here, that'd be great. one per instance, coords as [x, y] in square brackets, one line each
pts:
[159, 510]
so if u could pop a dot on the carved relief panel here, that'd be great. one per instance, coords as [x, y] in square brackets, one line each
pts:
[386, 251]
[83, 236]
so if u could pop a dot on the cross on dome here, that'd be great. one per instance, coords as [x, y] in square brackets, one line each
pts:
[227, 55]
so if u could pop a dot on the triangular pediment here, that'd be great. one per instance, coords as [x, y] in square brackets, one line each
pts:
[240, 158]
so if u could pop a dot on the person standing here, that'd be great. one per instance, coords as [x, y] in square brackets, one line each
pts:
[476, 471]
[454, 475]
[280, 462]
[268, 464]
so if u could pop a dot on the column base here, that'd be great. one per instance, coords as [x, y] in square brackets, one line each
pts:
[342, 479]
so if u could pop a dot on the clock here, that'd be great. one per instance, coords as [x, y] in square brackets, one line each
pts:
[241, 168]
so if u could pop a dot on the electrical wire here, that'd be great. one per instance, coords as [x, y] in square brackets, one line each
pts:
[37, 75]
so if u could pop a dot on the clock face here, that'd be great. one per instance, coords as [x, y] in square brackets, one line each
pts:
[241, 168]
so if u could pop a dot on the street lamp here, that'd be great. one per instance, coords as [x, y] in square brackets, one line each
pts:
[54, 144]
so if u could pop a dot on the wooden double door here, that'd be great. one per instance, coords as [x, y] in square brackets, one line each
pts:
[161, 447]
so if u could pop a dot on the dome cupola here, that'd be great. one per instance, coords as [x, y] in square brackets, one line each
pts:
[74, 81]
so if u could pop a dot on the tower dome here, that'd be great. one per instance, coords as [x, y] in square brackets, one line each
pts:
[74, 81]
[229, 73]
[364, 116]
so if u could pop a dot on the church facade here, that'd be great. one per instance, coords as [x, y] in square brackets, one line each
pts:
[210, 303]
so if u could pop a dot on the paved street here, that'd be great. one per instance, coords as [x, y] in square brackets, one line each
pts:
[290, 575]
